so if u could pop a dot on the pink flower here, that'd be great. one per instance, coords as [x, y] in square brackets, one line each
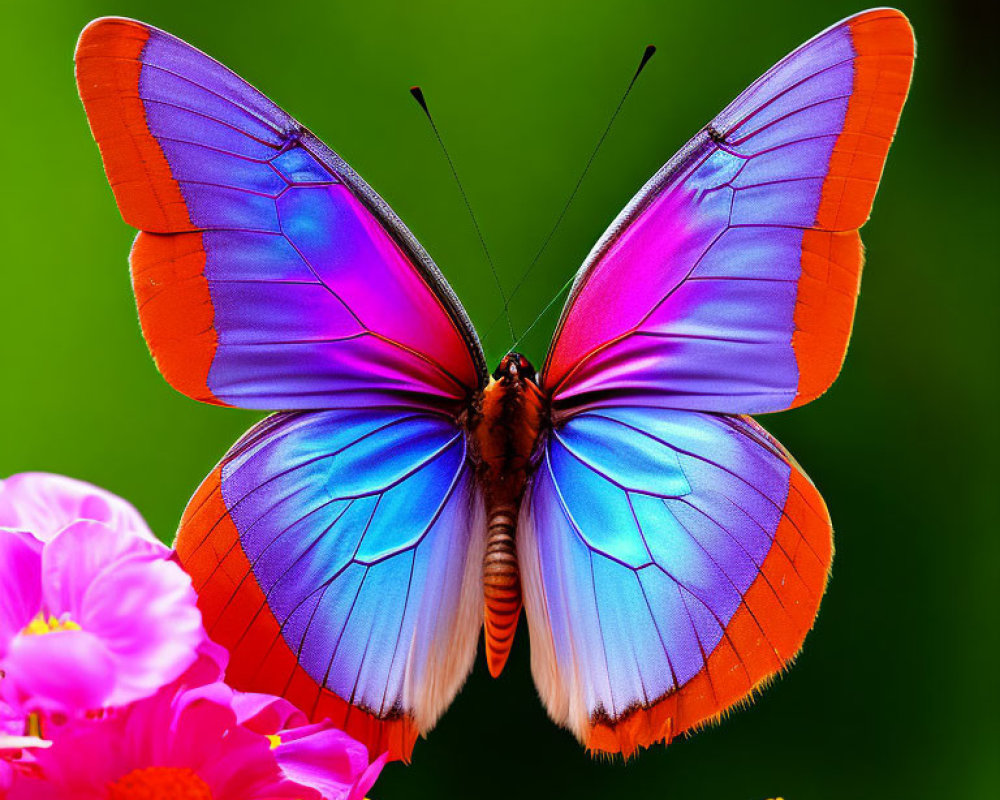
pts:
[187, 741]
[44, 504]
[95, 616]
[188, 746]
[102, 653]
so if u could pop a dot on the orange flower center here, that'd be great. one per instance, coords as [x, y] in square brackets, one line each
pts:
[41, 624]
[160, 783]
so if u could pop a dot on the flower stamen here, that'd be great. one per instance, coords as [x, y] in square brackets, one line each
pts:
[33, 725]
[52, 624]
[160, 783]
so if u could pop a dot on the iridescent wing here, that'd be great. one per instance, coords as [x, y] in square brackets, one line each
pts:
[675, 556]
[672, 562]
[337, 556]
[729, 282]
[267, 274]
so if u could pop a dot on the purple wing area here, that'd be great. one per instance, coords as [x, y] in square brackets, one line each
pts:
[729, 282]
[268, 274]
[337, 555]
[662, 550]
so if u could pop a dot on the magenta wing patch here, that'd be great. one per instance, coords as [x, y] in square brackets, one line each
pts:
[268, 274]
[729, 282]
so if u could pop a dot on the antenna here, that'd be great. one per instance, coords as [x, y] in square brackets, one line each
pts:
[418, 95]
[542, 313]
[646, 55]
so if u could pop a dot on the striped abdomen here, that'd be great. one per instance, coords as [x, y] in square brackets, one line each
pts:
[501, 586]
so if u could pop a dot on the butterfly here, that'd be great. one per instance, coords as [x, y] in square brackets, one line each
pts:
[668, 553]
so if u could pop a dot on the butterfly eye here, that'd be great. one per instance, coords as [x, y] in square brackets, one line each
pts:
[525, 368]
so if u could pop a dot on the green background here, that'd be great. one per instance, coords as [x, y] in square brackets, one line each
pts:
[895, 694]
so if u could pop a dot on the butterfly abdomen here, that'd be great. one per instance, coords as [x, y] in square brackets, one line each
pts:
[501, 586]
[505, 431]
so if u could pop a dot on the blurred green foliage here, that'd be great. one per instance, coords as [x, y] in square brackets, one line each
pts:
[895, 694]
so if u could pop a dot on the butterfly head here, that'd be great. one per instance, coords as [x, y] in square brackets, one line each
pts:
[515, 366]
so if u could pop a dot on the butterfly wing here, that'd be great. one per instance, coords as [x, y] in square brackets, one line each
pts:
[267, 274]
[672, 562]
[337, 556]
[729, 282]
[673, 557]
[337, 553]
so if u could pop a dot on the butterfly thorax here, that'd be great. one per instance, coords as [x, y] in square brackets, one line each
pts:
[505, 428]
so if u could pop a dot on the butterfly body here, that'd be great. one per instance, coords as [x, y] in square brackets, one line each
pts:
[505, 429]
[669, 555]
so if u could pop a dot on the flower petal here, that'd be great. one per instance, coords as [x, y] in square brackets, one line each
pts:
[21, 592]
[266, 714]
[237, 763]
[145, 613]
[86, 755]
[323, 757]
[38, 789]
[368, 777]
[209, 666]
[12, 722]
[317, 755]
[44, 504]
[194, 729]
[74, 558]
[63, 671]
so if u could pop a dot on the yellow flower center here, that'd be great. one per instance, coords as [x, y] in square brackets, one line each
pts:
[274, 740]
[160, 783]
[41, 625]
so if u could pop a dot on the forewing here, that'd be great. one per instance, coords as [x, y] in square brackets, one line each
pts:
[337, 556]
[729, 282]
[672, 562]
[267, 274]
